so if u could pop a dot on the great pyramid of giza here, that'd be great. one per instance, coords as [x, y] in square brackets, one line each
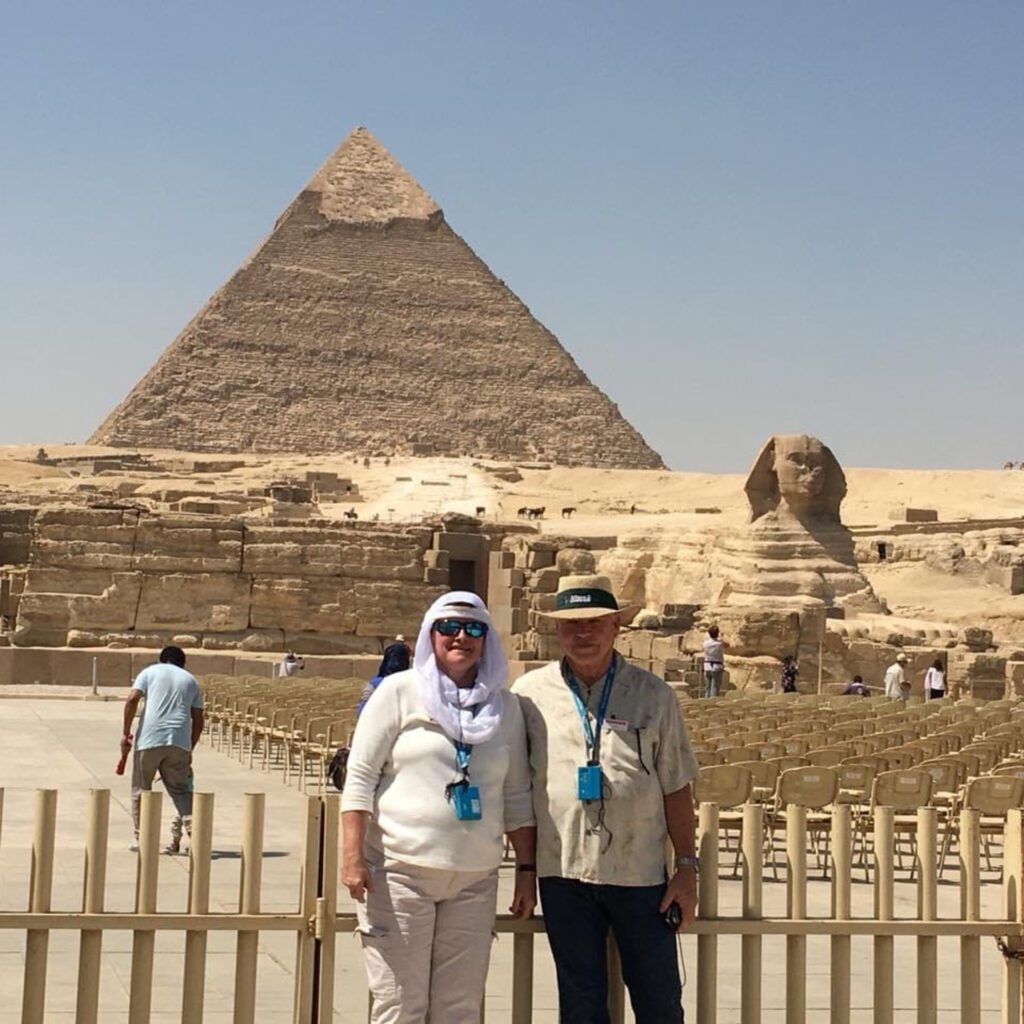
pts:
[364, 323]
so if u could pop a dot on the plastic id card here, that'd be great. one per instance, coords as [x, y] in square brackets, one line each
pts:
[466, 801]
[588, 782]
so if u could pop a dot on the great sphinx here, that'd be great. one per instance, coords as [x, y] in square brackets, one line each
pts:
[794, 552]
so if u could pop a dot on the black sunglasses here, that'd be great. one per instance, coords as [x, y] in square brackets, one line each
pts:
[452, 627]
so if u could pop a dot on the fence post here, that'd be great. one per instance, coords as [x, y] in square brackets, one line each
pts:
[327, 910]
[707, 908]
[842, 860]
[91, 943]
[201, 847]
[249, 903]
[305, 974]
[970, 910]
[927, 910]
[140, 997]
[796, 909]
[37, 941]
[884, 911]
[753, 860]
[1013, 874]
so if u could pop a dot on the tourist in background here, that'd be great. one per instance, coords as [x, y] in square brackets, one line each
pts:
[857, 688]
[168, 730]
[437, 773]
[396, 659]
[897, 687]
[714, 662]
[291, 664]
[787, 678]
[935, 681]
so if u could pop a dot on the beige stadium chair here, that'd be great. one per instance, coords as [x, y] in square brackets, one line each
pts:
[994, 796]
[904, 790]
[855, 781]
[733, 755]
[827, 757]
[810, 787]
[728, 786]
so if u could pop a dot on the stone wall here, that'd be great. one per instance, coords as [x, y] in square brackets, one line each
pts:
[125, 578]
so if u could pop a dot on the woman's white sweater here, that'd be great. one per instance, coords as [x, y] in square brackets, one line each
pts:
[398, 768]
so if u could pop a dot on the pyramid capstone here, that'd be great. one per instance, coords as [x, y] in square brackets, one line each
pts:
[365, 323]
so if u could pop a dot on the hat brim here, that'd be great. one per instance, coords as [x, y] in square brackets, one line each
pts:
[628, 613]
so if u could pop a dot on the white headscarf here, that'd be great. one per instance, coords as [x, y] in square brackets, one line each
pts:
[471, 714]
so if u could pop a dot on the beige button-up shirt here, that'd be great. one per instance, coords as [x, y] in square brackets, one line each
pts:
[645, 753]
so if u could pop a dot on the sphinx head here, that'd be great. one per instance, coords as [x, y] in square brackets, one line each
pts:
[797, 473]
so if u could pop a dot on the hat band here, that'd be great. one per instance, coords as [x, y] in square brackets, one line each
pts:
[585, 597]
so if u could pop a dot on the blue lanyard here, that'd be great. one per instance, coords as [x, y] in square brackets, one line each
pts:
[463, 752]
[591, 734]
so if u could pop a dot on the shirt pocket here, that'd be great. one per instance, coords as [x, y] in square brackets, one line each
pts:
[627, 757]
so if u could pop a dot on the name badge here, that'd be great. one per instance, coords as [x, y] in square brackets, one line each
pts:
[588, 782]
[466, 801]
[617, 724]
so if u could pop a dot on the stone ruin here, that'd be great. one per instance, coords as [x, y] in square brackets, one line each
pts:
[364, 323]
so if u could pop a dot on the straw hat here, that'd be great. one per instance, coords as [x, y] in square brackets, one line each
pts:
[588, 597]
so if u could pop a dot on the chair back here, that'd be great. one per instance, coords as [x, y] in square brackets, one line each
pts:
[765, 775]
[904, 789]
[826, 757]
[945, 775]
[994, 794]
[727, 785]
[855, 780]
[812, 787]
[733, 755]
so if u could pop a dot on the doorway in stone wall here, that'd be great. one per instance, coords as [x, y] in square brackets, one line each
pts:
[462, 575]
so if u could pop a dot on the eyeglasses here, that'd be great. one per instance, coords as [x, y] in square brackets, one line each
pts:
[453, 627]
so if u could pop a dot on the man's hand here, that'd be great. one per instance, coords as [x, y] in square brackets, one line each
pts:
[357, 878]
[126, 745]
[524, 899]
[682, 890]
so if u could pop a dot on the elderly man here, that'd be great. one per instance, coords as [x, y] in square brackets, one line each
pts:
[611, 767]
[896, 685]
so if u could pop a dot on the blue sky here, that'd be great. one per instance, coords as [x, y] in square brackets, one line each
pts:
[740, 218]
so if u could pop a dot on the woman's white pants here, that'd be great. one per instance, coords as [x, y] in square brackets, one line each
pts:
[426, 937]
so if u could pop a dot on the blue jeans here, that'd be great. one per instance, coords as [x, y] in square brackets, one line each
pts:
[713, 681]
[578, 916]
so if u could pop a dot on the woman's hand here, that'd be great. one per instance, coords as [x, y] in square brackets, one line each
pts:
[357, 878]
[524, 899]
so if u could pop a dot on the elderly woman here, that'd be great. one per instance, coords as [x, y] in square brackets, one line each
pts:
[437, 773]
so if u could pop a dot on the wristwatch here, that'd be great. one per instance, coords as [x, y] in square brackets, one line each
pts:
[688, 861]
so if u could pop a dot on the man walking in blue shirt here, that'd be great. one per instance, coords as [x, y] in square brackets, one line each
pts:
[170, 726]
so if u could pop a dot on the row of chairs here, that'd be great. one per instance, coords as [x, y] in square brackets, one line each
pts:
[818, 789]
[292, 725]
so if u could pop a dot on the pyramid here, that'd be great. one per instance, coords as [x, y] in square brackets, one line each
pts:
[364, 323]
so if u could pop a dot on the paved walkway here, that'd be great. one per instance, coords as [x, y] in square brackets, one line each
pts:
[72, 746]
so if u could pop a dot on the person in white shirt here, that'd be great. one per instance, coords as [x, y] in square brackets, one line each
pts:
[896, 685]
[437, 776]
[714, 662]
[935, 681]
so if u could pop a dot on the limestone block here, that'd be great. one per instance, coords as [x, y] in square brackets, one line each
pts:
[46, 580]
[74, 668]
[437, 559]
[977, 639]
[183, 544]
[575, 562]
[84, 538]
[545, 581]
[504, 560]
[203, 663]
[512, 577]
[436, 577]
[543, 602]
[666, 647]
[112, 609]
[207, 602]
[753, 632]
[386, 609]
[539, 559]
[302, 604]
[548, 648]
[678, 616]
[641, 643]
[330, 645]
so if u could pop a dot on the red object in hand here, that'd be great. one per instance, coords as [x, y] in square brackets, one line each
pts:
[119, 770]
